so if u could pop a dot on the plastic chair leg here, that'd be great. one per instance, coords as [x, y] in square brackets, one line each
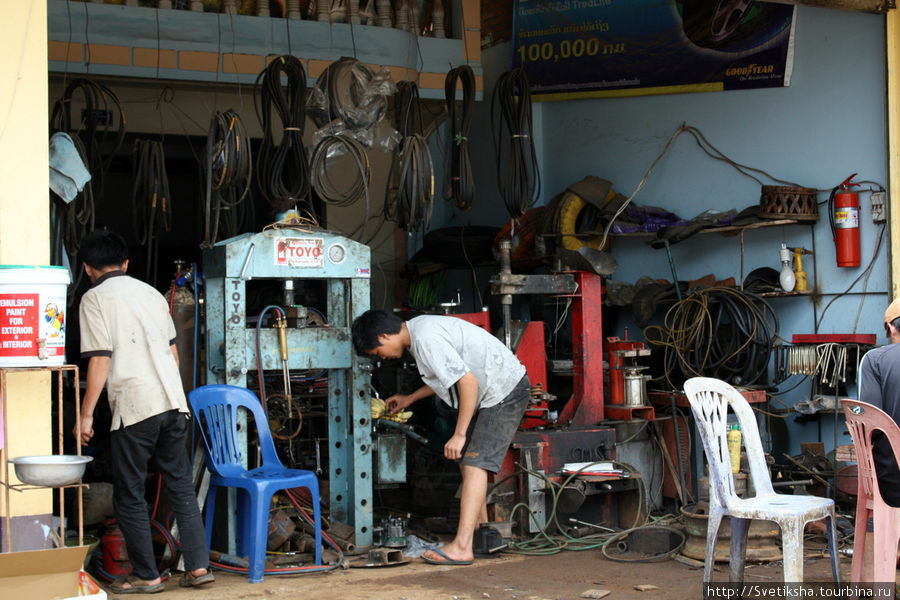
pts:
[257, 539]
[887, 532]
[832, 549]
[792, 550]
[210, 513]
[739, 529]
[317, 518]
[712, 532]
[859, 539]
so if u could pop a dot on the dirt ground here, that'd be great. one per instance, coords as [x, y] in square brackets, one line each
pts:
[561, 576]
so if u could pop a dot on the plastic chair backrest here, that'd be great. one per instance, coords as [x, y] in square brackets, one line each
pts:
[216, 409]
[710, 400]
[863, 420]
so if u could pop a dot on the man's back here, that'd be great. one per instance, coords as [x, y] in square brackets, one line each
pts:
[128, 320]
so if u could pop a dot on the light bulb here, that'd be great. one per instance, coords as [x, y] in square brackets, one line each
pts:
[786, 278]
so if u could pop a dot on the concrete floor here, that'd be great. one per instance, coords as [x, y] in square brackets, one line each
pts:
[562, 576]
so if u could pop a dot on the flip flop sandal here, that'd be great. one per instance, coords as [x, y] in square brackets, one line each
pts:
[135, 586]
[191, 580]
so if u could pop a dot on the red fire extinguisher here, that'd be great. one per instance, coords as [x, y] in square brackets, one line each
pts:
[843, 212]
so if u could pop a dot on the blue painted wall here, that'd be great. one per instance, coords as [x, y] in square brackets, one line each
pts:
[828, 124]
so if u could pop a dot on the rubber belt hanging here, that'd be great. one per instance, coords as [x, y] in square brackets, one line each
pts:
[460, 186]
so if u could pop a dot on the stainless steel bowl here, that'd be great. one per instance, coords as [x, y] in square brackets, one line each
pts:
[52, 471]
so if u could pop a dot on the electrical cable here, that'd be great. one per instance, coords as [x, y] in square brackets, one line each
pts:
[865, 274]
[282, 170]
[150, 198]
[329, 150]
[229, 168]
[717, 332]
[409, 198]
[520, 180]
[100, 117]
[707, 149]
[543, 542]
[460, 186]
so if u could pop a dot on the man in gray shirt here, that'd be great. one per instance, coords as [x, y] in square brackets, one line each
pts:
[879, 385]
[472, 372]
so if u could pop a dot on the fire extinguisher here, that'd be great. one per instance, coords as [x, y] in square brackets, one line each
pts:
[843, 212]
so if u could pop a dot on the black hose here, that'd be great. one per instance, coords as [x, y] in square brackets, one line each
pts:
[460, 186]
[282, 172]
[409, 198]
[717, 332]
[150, 199]
[229, 168]
[518, 174]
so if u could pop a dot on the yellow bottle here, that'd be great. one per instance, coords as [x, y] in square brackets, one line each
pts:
[799, 273]
[734, 448]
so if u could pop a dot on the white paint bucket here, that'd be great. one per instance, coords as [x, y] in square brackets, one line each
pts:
[33, 315]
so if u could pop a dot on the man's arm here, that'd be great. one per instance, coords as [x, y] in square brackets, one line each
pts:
[468, 402]
[175, 354]
[398, 402]
[97, 373]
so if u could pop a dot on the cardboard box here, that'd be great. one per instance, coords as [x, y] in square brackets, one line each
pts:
[48, 575]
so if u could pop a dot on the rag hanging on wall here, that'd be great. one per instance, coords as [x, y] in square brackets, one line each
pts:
[99, 123]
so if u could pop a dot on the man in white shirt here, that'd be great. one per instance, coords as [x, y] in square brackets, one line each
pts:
[128, 338]
[472, 372]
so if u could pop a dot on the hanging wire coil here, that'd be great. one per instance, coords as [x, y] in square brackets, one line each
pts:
[460, 185]
[409, 198]
[229, 168]
[282, 169]
[518, 175]
[152, 214]
[716, 332]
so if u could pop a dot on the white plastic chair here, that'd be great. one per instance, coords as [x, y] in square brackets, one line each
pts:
[710, 400]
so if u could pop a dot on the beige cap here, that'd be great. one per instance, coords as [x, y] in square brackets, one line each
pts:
[892, 312]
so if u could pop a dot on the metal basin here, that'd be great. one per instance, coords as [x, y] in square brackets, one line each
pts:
[51, 471]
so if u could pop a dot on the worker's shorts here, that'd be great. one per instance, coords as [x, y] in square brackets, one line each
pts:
[492, 429]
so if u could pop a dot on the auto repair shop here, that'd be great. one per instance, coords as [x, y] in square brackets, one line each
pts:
[628, 195]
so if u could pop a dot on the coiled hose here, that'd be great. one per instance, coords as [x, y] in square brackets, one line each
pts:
[409, 198]
[150, 198]
[518, 175]
[229, 171]
[282, 169]
[460, 186]
[716, 332]
[342, 190]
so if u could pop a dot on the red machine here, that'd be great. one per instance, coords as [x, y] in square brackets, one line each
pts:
[114, 554]
[530, 352]
[625, 403]
[844, 215]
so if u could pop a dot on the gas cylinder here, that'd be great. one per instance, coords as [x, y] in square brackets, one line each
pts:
[115, 555]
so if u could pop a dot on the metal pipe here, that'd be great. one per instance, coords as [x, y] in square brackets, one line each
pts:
[506, 299]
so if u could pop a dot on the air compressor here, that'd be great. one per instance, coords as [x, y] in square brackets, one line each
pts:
[843, 212]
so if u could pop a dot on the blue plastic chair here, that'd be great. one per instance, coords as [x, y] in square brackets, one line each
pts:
[216, 409]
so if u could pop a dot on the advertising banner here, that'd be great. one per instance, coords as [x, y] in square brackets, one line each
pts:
[601, 48]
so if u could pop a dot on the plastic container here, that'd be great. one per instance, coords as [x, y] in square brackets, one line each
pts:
[32, 315]
[734, 448]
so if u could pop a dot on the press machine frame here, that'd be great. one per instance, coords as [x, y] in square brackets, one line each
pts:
[291, 254]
